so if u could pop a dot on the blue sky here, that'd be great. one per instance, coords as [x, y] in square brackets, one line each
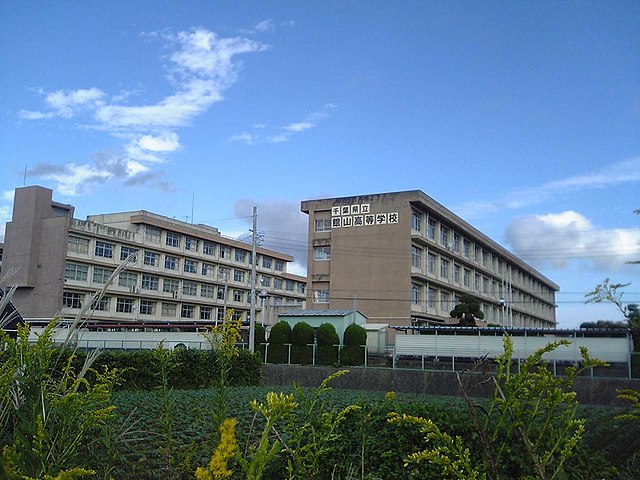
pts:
[523, 118]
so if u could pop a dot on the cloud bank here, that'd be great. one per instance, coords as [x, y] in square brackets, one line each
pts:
[558, 239]
[202, 66]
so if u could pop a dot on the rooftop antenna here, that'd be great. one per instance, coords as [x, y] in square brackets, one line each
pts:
[193, 201]
[24, 179]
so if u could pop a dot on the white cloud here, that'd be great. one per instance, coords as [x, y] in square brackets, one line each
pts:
[8, 195]
[167, 142]
[560, 238]
[202, 66]
[278, 138]
[626, 171]
[299, 127]
[242, 137]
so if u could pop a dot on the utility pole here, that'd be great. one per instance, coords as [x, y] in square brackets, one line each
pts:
[252, 311]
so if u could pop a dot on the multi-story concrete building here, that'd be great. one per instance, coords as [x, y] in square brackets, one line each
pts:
[176, 271]
[404, 259]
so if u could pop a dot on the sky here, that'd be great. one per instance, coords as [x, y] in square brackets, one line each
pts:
[521, 117]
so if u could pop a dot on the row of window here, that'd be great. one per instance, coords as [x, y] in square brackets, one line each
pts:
[452, 240]
[148, 281]
[107, 250]
[143, 306]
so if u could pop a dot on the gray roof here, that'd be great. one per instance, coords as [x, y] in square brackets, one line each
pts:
[317, 313]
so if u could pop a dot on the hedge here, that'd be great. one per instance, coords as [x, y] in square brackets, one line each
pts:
[327, 339]
[353, 353]
[302, 337]
[280, 336]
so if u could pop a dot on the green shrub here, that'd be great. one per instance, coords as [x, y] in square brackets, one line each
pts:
[280, 336]
[260, 340]
[353, 352]
[327, 339]
[302, 338]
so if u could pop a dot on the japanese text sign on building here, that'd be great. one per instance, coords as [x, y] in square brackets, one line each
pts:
[360, 215]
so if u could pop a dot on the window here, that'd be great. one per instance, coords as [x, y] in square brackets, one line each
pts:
[151, 234]
[101, 275]
[126, 251]
[207, 291]
[485, 258]
[220, 315]
[476, 283]
[238, 296]
[322, 225]
[169, 309]
[72, 300]
[279, 266]
[205, 313]
[238, 275]
[456, 242]
[127, 279]
[223, 273]
[104, 249]
[147, 307]
[237, 315]
[466, 248]
[444, 236]
[78, 244]
[431, 261]
[209, 248]
[416, 221]
[190, 266]
[416, 293]
[265, 281]
[321, 296]
[416, 256]
[189, 288]
[170, 285]
[124, 305]
[277, 283]
[151, 258]
[225, 252]
[207, 270]
[187, 311]
[444, 268]
[74, 271]
[456, 274]
[431, 298]
[171, 262]
[221, 294]
[240, 255]
[102, 305]
[288, 285]
[191, 244]
[444, 301]
[266, 262]
[466, 277]
[431, 229]
[150, 282]
[301, 287]
[173, 239]
[322, 253]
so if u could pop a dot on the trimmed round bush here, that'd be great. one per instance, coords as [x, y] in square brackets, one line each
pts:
[279, 338]
[260, 340]
[328, 341]
[302, 338]
[355, 337]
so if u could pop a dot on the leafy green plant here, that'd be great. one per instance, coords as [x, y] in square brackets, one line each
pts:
[279, 338]
[529, 430]
[50, 414]
[355, 337]
[328, 341]
[302, 337]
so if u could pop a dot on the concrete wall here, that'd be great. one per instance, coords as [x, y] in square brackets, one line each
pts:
[598, 391]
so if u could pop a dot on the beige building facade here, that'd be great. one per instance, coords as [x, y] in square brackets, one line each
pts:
[402, 258]
[175, 271]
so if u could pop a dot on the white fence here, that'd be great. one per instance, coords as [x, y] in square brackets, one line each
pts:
[611, 349]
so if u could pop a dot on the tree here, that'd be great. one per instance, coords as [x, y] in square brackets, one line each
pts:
[468, 311]
[612, 292]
